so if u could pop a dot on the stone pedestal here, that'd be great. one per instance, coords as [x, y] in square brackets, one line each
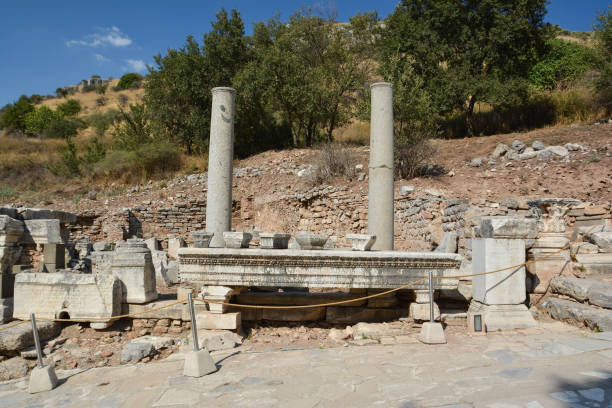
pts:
[549, 261]
[432, 333]
[503, 317]
[198, 364]
[217, 293]
[419, 310]
[42, 379]
[133, 266]
[380, 193]
[220, 165]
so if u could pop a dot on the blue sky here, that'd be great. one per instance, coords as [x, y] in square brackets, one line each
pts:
[48, 44]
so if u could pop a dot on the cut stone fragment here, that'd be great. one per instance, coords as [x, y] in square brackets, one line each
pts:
[508, 227]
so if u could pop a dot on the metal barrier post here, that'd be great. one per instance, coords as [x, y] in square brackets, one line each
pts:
[36, 340]
[194, 329]
[431, 298]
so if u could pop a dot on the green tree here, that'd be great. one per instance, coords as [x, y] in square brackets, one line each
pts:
[603, 36]
[468, 51]
[61, 92]
[128, 80]
[13, 117]
[38, 120]
[135, 130]
[71, 107]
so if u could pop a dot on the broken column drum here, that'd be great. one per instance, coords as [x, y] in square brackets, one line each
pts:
[380, 196]
[220, 165]
[133, 266]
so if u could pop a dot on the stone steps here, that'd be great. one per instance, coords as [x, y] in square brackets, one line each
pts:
[595, 292]
[577, 313]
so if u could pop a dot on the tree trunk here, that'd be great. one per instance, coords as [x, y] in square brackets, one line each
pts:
[469, 116]
[330, 130]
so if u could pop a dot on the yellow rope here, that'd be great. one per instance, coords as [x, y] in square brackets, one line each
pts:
[386, 292]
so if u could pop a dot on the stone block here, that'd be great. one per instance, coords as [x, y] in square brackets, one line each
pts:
[561, 309]
[292, 298]
[343, 315]
[572, 287]
[6, 310]
[421, 312]
[157, 342]
[20, 337]
[135, 351]
[274, 241]
[294, 315]
[602, 239]
[448, 243]
[502, 288]
[54, 257]
[503, 317]
[361, 242]
[132, 264]
[58, 295]
[8, 256]
[13, 368]
[508, 227]
[42, 379]
[595, 264]
[44, 214]
[174, 243]
[42, 232]
[198, 364]
[389, 300]
[432, 333]
[214, 340]
[548, 264]
[160, 264]
[10, 230]
[101, 262]
[601, 295]
[218, 321]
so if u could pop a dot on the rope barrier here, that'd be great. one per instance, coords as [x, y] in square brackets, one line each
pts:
[244, 306]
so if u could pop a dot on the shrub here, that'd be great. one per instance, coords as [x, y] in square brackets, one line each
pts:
[135, 130]
[128, 81]
[101, 89]
[61, 92]
[6, 193]
[102, 121]
[95, 151]
[64, 128]
[101, 101]
[123, 100]
[71, 107]
[13, 115]
[69, 164]
[38, 120]
[333, 160]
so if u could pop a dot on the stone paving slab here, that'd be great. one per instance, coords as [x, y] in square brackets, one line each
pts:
[540, 367]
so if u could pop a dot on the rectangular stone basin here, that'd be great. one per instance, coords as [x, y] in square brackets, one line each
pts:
[331, 268]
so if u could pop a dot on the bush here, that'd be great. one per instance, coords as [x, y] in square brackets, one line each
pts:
[123, 100]
[128, 81]
[38, 120]
[135, 130]
[13, 115]
[101, 101]
[95, 151]
[333, 160]
[102, 121]
[101, 89]
[64, 128]
[69, 164]
[71, 107]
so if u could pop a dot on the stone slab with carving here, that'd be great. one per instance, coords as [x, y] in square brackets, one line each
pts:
[315, 268]
[42, 232]
[508, 227]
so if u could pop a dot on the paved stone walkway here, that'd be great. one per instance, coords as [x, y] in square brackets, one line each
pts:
[551, 366]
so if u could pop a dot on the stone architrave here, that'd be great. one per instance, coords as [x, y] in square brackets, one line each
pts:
[380, 193]
[42, 232]
[10, 230]
[220, 165]
[133, 265]
[62, 295]
[217, 293]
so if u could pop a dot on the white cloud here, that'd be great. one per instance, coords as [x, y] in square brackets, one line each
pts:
[136, 65]
[103, 37]
[101, 58]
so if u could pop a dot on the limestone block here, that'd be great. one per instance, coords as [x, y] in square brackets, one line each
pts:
[561, 309]
[508, 227]
[42, 232]
[274, 241]
[102, 262]
[237, 239]
[157, 342]
[601, 295]
[160, 264]
[10, 230]
[13, 368]
[449, 243]
[503, 317]
[55, 295]
[132, 264]
[361, 242]
[572, 287]
[501, 288]
[20, 337]
[42, 379]
[218, 321]
[6, 310]
[308, 240]
[595, 264]
[43, 214]
[198, 364]
[101, 246]
[8, 256]
[214, 340]
[174, 243]
[432, 333]
[201, 239]
[54, 257]
[172, 272]
[135, 351]
[152, 244]
[294, 315]
[548, 264]
[602, 239]
[583, 248]
[298, 298]
[217, 293]
[420, 311]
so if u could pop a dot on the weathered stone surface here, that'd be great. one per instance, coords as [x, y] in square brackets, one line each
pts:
[537, 145]
[572, 287]
[218, 321]
[553, 152]
[42, 232]
[308, 240]
[296, 298]
[601, 295]
[500, 150]
[6, 310]
[356, 315]
[361, 242]
[135, 351]
[53, 295]
[518, 146]
[102, 262]
[294, 315]
[315, 268]
[132, 264]
[476, 162]
[595, 264]
[449, 243]
[13, 368]
[157, 342]
[508, 227]
[560, 309]
[160, 264]
[421, 312]
[20, 337]
[237, 239]
[178, 311]
[602, 239]
[432, 333]
[174, 244]
[549, 262]
[197, 364]
[201, 239]
[274, 241]
[370, 330]
[213, 340]
[101, 246]
[503, 317]
[42, 379]
[10, 230]
[43, 214]
[583, 248]
[502, 288]
[9, 255]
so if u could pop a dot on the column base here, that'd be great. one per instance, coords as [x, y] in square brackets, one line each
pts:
[502, 317]
[432, 333]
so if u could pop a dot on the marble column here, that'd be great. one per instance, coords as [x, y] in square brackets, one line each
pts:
[220, 165]
[380, 196]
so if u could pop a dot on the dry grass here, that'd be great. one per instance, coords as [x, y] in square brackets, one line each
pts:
[357, 133]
